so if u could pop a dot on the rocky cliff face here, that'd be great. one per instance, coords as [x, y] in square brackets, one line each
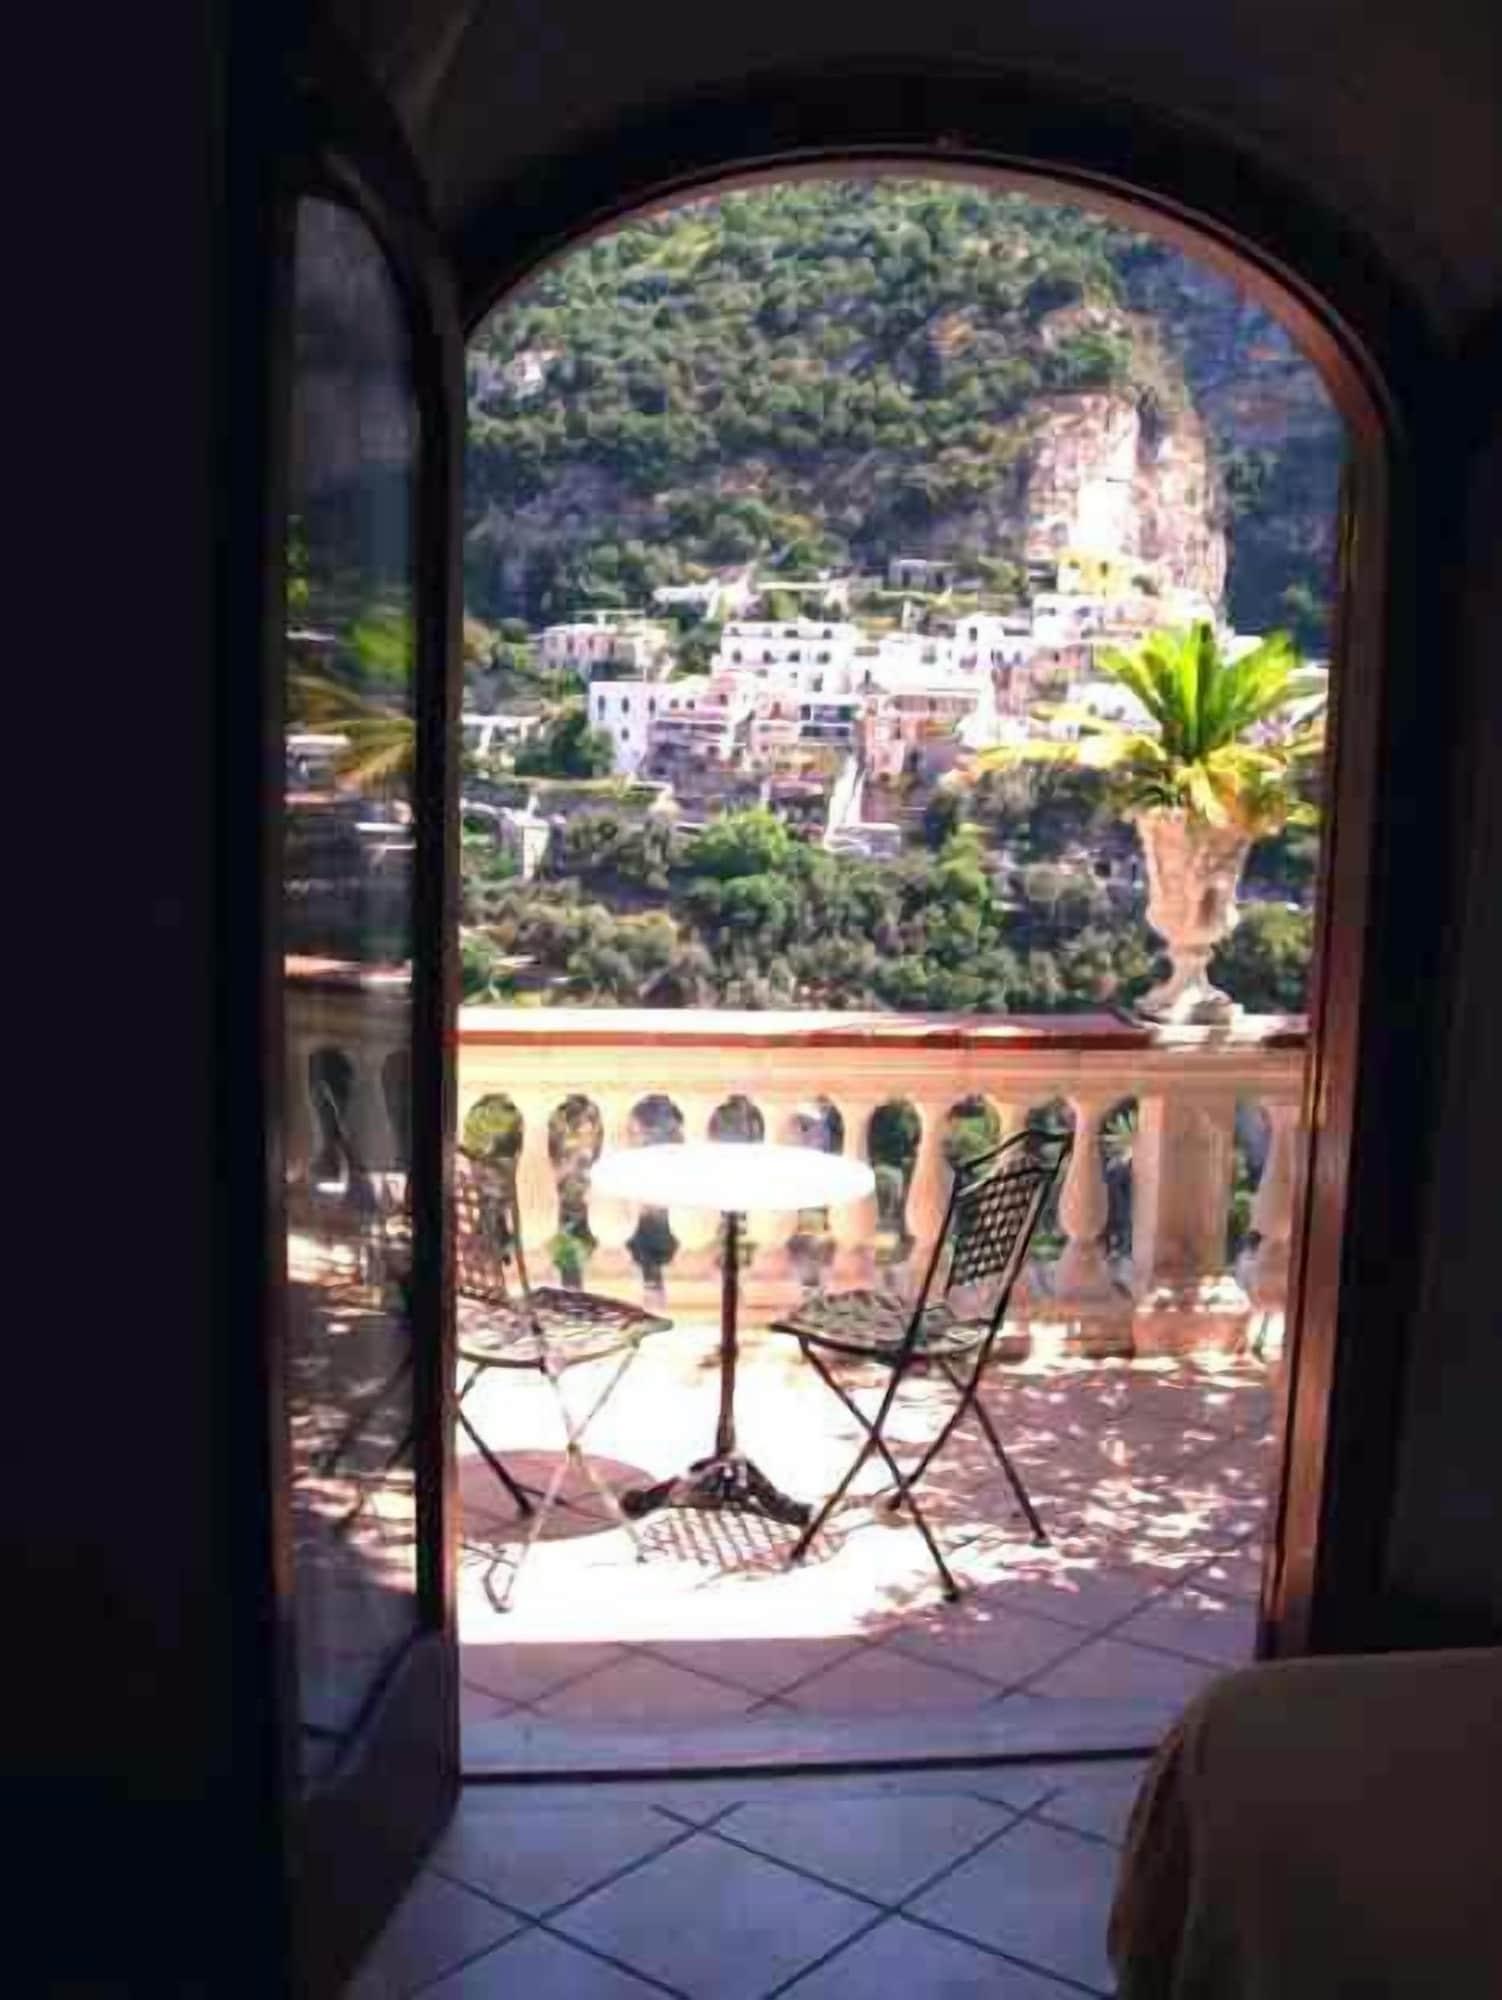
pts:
[1111, 475]
[1277, 441]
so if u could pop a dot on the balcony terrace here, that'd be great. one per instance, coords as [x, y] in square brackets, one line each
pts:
[1137, 1387]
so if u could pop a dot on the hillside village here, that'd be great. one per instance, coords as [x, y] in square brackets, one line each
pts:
[841, 725]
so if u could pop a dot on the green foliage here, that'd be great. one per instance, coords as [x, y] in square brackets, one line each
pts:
[382, 643]
[738, 844]
[569, 1251]
[694, 646]
[1206, 708]
[1285, 865]
[1282, 502]
[747, 914]
[493, 1129]
[382, 736]
[567, 747]
[483, 981]
[942, 816]
[1264, 963]
[973, 1128]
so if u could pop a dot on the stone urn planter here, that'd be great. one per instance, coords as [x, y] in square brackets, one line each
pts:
[1193, 869]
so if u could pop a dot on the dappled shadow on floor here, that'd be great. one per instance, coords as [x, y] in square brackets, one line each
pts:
[725, 1542]
[1152, 1481]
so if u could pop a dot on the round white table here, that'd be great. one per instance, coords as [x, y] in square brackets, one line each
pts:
[732, 1176]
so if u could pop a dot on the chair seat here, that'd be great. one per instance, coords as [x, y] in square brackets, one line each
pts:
[572, 1326]
[874, 1324]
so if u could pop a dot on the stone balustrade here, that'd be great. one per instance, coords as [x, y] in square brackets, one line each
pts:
[1170, 1286]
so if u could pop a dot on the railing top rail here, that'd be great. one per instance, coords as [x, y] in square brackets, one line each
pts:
[708, 1027]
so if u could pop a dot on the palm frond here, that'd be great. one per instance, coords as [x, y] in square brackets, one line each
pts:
[1203, 708]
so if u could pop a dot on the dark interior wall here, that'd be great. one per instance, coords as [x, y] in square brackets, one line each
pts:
[1321, 90]
[1445, 1547]
[132, 1740]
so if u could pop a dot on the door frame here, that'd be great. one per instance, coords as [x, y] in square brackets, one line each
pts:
[1370, 1076]
[352, 1845]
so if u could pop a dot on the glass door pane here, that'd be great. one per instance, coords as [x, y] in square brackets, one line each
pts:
[349, 929]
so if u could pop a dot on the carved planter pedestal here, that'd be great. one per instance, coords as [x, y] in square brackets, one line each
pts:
[1193, 869]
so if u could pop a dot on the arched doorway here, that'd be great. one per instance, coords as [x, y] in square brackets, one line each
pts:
[1341, 900]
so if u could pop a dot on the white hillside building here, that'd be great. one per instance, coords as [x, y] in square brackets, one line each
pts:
[701, 718]
[986, 640]
[608, 639]
[1063, 618]
[811, 654]
[625, 709]
[913, 707]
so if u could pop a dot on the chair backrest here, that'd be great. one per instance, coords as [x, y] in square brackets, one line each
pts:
[488, 1260]
[994, 1207]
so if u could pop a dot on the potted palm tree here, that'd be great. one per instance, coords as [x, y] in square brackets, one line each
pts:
[1211, 765]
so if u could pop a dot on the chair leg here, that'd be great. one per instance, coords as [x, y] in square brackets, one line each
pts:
[357, 1424]
[534, 1527]
[573, 1454]
[874, 1442]
[574, 1432]
[520, 1498]
[970, 1400]
[1003, 1457]
[832, 1382]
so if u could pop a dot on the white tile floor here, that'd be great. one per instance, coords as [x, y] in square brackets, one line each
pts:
[991, 1881]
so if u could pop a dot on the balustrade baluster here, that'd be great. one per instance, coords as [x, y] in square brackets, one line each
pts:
[1082, 1273]
[612, 1222]
[1181, 1166]
[853, 1225]
[770, 1279]
[928, 1191]
[304, 1125]
[536, 1186]
[367, 1115]
[694, 1271]
[1095, 1310]
[1266, 1265]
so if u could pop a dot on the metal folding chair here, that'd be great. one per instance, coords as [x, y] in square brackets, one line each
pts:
[505, 1322]
[994, 1205]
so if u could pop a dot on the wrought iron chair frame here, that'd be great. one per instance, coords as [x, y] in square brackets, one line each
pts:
[484, 1256]
[969, 1261]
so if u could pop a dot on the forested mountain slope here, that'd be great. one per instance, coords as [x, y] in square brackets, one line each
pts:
[828, 373]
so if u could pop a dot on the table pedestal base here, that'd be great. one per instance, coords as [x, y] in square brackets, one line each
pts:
[728, 1480]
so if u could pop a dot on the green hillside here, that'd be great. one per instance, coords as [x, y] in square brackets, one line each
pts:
[818, 373]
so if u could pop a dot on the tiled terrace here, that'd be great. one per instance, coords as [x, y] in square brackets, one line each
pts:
[1152, 1478]
[1149, 1458]
[991, 1882]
